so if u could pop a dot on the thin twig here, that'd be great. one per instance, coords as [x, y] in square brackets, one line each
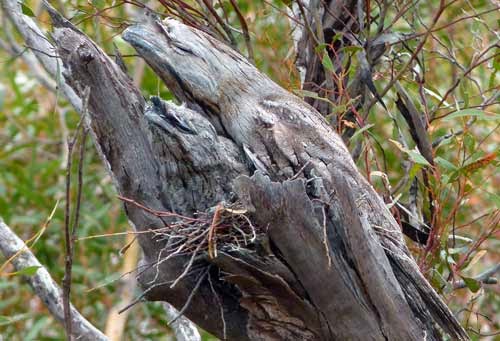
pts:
[70, 235]
[191, 295]
[80, 184]
[67, 237]
[212, 242]
[43, 285]
[142, 295]
[246, 34]
[221, 307]
[188, 266]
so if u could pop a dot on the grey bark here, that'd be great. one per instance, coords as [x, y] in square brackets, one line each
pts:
[44, 286]
[41, 47]
[184, 329]
[331, 262]
[44, 57]
[318, 22]
[338, 25]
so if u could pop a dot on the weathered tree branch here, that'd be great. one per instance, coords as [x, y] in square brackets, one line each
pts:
[42, 48]
[43, 285]
[329, 261]
[283, 135]
[233, 110]
[128, 140]
[45, 54]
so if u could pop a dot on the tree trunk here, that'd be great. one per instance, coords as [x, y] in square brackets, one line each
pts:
[272, 233]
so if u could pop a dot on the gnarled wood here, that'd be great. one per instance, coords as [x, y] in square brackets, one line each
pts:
[333, 263]
[284, 136]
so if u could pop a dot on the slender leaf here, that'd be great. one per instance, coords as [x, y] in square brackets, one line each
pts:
[472, 284]
[327, 62]
[480, 114]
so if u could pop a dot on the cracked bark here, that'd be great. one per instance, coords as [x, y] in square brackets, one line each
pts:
[240, 135]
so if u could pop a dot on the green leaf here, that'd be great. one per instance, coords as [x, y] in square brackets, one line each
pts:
[495, 198]
[414, 155]
[445, 163]
[327, 62]
[467, 187]
[414, 171]
[27, 271]
[353, 49]
[472, 112]
[311, 94]
[496, 63]
[99, 3]
[472, 284]
[27, 11]
[437, 280]
[338, 109]
[418, 158]
[492, 80]
[445, 179]
[469, 142]
[360, 131]
[434, 93]
[337, 36]
[320, 48]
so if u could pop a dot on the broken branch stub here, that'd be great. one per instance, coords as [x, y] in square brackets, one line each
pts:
[133, 146]
[281, 135]
[324, 258]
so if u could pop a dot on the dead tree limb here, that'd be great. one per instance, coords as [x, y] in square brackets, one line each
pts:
[43, 285]
[42, 48]
[234, 121]
[44, 57]
[327, 260]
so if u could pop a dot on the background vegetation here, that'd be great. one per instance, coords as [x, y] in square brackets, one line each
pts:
[454, 81]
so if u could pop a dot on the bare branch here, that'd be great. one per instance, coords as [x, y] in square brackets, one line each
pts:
[184, 329]
[44, 286]
[70, 233]
[34, 36]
